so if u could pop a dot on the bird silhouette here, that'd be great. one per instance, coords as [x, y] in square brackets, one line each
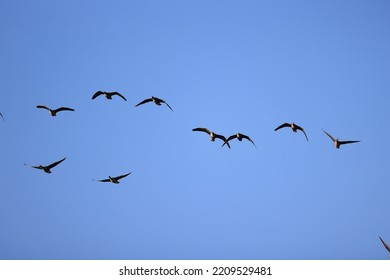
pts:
[47, 167]
[154, 99]
[239, 136]
[337, 142]
[55, 111]
[384, 244]
[108, 95]
[294, 128]
[212, 134]
[114, 180]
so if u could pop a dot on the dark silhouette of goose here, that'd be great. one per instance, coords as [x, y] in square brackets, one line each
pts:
[384, 244]
[108, 95]
[55, 111]
[337, 142]
[212, 134]
[294, 128]
[239, 136]
[114, 180]
[154, 99]
[47, 167]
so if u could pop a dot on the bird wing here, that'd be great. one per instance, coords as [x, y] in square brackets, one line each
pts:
[97, 94]
[301, 129]
[33, 166]
[223, 138]
[117, 93]
[43, 107]
[104, 180]
[2, 116]
[230, 138]
[330, 136]
[248, 138]
[282, 125]
[167, 105]
[144, 101]
[202, 129]
[64, 109]
[347, 142]
[55, 163]
[121, 176]
[384, 244]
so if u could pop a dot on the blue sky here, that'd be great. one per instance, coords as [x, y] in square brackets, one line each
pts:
[230, 66]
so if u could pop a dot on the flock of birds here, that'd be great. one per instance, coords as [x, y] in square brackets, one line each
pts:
[213, 136]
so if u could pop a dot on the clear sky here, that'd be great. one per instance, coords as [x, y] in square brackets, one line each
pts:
[231, 66]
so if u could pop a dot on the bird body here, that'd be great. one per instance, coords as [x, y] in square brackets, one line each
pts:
[156, 101]
[108, 95]
[47, 167]
[212, 135]
[239, 137]
[337, 142]
[53, 112]
[294, 127]
[114, 180]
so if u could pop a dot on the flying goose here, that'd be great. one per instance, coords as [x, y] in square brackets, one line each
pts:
[337, 142]
[294, 128]
[54, 112]
[114, 180]
[212, 134]
[384, 244]
[108, 95]
[239, 136]
[154, 99]
[48, 167]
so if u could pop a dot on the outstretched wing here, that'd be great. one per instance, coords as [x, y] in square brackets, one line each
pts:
[104, 180]
[227, 140]
[202, 129]
[330, 136]
[97, 94]
[144, 101]
[117, 93]
[347, 142]
[223, 138]
[282, 125]
[64, 109]
[121, 176]
[33, 166]
[384, 244]
[167, 105]
[55, 163]
[43, 107]
[301, 129]
[248, 138]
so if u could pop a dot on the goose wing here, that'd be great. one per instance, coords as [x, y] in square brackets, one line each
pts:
[55, 163]
[97, 94]
[301, 129]
[223, 138]
[144, 101]
[103, 180]
[384, 244]
[64, 109]
[248, 138]
[33, 166]
[120, 95]
[167, 105]
[230, 138]
[121, 176]
[202, 129]
[347, 142]
[283, 125]
[330, 136]
[43, 107]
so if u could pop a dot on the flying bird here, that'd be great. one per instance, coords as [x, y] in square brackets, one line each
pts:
[239, 136]
[384, 244]
[154, 99]
[47, 167]
[54, 112]
[108, 95]
[337, 142]
[114, 180]
[212, 134]
[294, 128]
